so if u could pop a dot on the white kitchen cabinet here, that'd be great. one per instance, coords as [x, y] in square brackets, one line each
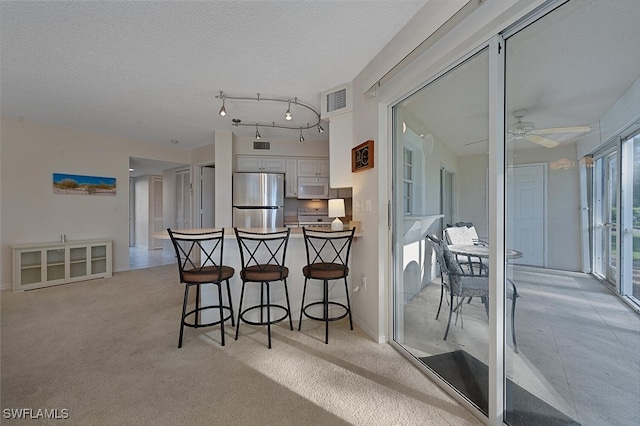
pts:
[46, 264]
[313, 167]
[260, 164]
[291, 178]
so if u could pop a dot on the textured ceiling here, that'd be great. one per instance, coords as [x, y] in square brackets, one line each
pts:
[151, 70]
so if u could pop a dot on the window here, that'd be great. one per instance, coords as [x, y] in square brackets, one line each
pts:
[407, 179]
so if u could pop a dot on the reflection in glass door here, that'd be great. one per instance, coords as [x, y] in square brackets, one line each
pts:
[630, 218]
[433, 320]
[605, 220]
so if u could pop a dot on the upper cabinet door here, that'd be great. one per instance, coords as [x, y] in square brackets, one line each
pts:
[260, 164]
[313, 167]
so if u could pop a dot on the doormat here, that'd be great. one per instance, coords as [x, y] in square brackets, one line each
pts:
[471, 378]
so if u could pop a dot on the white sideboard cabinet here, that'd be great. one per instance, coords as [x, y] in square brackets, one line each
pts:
[45, 264]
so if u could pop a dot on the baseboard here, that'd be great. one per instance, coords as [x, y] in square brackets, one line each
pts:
[378, 338]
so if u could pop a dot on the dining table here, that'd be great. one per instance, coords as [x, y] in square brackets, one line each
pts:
[475, 253]
[481, 251]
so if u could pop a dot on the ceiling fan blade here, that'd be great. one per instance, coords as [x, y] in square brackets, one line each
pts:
[541, 140]
[569, 129]
[475, 142]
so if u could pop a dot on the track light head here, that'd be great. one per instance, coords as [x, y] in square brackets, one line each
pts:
[301, 137]
[320, 129]
[223, 110]
[287, 115]
[257, 132]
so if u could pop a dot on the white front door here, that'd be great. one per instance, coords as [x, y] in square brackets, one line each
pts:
[526, 213]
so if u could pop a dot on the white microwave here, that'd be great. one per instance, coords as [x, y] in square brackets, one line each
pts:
[316, 188]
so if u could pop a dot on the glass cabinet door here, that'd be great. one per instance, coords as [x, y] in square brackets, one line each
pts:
[30, 267]
[98, 259]
[55, 264]
[78, 262]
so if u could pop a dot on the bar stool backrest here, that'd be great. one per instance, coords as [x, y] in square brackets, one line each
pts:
[196, 257]
[263, 251]
[328, 247]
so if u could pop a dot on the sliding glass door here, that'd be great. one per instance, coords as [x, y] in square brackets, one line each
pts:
[605, 219]
[446, 331]
[564, 344]
[632, 228]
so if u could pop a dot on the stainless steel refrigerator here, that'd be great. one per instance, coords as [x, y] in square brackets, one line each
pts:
[258, 200]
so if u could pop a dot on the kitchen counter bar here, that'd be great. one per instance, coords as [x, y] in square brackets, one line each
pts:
[296, 232]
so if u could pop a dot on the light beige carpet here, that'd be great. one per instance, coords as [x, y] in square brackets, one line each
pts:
[106, 352]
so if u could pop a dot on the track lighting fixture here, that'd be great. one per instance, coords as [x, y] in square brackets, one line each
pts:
[288, 115]
[223, 110]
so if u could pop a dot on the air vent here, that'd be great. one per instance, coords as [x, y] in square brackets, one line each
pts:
[336, 101]
[261, 145]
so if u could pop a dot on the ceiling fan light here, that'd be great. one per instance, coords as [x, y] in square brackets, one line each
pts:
[522, 128]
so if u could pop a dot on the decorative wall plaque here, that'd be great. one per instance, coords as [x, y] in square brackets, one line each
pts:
[362, 157]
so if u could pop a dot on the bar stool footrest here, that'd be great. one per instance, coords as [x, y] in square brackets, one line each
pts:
[204, 308]
[273, 321]
[335, 318]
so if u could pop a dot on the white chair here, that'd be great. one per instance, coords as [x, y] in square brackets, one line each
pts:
[465, 235]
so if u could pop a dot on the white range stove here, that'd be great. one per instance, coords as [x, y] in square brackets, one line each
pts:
[313, 217]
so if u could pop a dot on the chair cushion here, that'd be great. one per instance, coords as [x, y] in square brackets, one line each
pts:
[262, 273]
[208, 274]
[459, 235]
[325, 271]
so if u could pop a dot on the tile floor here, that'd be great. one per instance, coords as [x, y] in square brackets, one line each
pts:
[579, 344]
[141, 257]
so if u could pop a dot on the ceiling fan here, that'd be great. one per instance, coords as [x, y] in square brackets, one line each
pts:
[527, 130]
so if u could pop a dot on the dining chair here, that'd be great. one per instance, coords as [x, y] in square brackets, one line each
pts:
[465, 235]
[462, 284]
[199, 258]
[327, 260]
[262, 255]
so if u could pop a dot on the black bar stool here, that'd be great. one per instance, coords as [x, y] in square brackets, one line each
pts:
[327, 259]
[262, 255]
[200, 262]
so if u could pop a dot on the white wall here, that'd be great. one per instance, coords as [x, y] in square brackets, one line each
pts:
[30, 212]
[471, 192]
[283, 148]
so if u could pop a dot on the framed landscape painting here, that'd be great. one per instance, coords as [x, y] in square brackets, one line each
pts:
[83, 185]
